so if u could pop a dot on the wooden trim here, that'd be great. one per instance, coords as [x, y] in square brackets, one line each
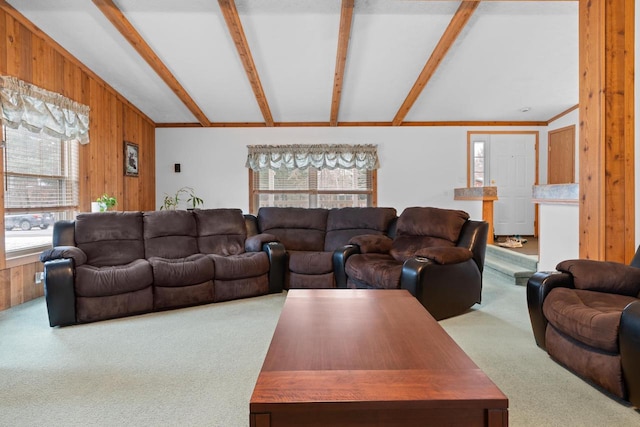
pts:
[128, 31]
[591, 152]
[352, 124]
[346, 18]
[454, 28]
[11, 11]
[564, 113]
[629, 131]
[230, 13]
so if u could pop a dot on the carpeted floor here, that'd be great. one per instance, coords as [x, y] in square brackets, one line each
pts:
[197, 366]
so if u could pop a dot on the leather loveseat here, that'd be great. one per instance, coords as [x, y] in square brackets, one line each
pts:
[114, 264]
[586, 315]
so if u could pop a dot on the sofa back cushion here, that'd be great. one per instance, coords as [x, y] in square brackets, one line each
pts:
[221, 231]
[298, 229]
[170, 234]
[426, 227]
[110, 238]
[345, 223]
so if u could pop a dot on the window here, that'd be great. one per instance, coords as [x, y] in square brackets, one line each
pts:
[42, 131]
[323, 176]
[41, 186]
[478, 164]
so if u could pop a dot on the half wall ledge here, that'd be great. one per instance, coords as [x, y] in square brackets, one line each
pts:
[487, 195]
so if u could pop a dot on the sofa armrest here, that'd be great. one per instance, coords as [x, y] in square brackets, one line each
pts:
[277, 265]
[256, 242]
[372, 243]
[445, 290]
[59, 292]
[629, 339]
[474, 237]
[445, 255]
[340, 256]
[62, 252]
[538, 287]
[603, 276]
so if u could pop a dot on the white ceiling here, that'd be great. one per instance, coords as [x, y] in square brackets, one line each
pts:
[510, 55]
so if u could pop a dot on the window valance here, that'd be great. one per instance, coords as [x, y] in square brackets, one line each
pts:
[40, 110]
[344, 156]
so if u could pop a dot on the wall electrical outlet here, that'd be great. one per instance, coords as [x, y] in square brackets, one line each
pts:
[39, 277]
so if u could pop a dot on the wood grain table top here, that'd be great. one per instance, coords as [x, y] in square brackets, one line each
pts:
[367, 349]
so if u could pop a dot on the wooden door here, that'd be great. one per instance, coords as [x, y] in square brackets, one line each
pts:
[512, 168]
[562, 155]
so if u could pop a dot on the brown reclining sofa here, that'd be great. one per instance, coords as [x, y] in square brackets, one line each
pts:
[114, 264]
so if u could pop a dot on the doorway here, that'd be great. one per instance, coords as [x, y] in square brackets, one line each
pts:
[510, 164]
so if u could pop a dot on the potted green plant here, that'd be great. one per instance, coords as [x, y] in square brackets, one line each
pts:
[171, 202]
[106, 202]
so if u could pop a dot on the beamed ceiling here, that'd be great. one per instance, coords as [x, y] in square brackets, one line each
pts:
[325, 62]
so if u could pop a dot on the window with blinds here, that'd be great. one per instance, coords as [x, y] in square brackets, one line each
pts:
[312, 187]
[41, 186]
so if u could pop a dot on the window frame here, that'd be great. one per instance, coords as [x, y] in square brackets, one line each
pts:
[255, 193]
[69, 176]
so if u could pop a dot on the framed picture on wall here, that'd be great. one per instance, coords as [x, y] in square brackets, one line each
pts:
[131, 160]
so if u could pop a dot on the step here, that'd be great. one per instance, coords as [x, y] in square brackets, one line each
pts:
[509, 265]
[528, 262]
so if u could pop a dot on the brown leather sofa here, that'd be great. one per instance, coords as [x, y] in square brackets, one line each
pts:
[436, 254]
[586, 315]
[114, 264]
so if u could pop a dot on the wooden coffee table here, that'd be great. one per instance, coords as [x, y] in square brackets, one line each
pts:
[342, 357]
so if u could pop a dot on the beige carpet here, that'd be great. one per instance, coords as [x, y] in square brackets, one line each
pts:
[197, 366]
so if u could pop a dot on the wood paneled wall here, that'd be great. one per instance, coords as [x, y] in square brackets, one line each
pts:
[29, 54]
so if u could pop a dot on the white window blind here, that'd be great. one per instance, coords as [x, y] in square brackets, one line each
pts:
[41, 172]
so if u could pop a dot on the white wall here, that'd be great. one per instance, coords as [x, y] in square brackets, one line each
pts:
[419, 166]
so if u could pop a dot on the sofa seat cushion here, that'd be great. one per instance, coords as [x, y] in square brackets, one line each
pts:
[94, 281]
[241, 266]
[192, 270]
[305, 262]
[589, 317]
[377, 270]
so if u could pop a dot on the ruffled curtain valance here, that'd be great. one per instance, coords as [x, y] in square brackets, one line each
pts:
[40, 110]
[275, 157]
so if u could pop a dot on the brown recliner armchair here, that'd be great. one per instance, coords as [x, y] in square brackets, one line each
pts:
[586, 316]
[436, 254]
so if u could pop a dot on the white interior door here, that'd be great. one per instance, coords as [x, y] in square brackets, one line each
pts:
[512, 169]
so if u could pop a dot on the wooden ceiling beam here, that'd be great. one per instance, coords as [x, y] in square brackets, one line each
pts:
[346, 18]
[122, 24]
[232, 19]
[450, 35]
